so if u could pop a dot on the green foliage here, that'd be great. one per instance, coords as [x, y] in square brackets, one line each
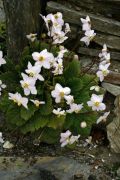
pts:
[41, 118]
[72, 70]
[26, 114]
[47, 108]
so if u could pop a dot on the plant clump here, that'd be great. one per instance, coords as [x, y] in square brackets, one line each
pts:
[47, 93]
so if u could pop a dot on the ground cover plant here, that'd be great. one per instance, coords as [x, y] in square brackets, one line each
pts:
[47, 93]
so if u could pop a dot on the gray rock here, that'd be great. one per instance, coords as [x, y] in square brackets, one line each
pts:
[112, 42]
[113, 129]
[113, 89]
[95, 53]
[118, 172]
[49, 168]
[106, 7]
[99, 23]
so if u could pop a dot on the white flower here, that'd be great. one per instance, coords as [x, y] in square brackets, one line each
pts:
[86, 25]
[103, 71]
[28, 84]
[69, 99]
[104, 55]
[34, 71]
[58, 67]
[64, 140]
[73, 139]
[96, 103]
[2, 86]
[43, 59]
[31, 37]
[75, 108]
[103, 118]
[61, 52]
[89, 35]
[67, 28]
[104, 51]
[53, 21]
[59, 92]
[59, 37]
[59, 112]
[76, 57]
[59, 18]
[2, 60]
[18, 99]
[1, 138]
[96, 88]
[83, 124]
[68, 139]
[37, 102]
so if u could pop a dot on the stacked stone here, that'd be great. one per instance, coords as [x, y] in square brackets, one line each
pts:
[104, 16]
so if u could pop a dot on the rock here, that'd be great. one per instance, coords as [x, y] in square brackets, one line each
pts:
[79, 177]
[64, 168]
[113, 129]
[106, 7]
[8, 145]
[118, 172]
[95, 53]
[92, 177]
[112, 42]
[99, 23]
[2, 13]
[112, 77]
[113, 89]
[49, 168]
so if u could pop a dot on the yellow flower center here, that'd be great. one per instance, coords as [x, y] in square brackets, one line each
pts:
[62, 94]
[97, 104]
[37, 103]
[91, 38]
[104, 72]
[59, 66]
[31, 74]
[41, 58]
[56, 16]
[19, 103]
[25, 85]
[33, 35]
[14, 100]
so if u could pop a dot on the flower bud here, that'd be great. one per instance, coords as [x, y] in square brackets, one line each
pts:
[76, 57]
[83, 124]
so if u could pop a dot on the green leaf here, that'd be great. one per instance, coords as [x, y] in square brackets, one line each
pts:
[35, 123]
[75, 84]
[72, 70]
[26, 114]
[13, 115]
[4, 103]
[10, 79]
[56, 122]
[73, 122]
[50, 136]
[59, 79]
[46, 108]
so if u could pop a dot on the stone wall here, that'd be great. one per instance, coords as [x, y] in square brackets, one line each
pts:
[105, 15]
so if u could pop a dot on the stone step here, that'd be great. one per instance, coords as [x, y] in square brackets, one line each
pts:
[100, 23]
[95, 53]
